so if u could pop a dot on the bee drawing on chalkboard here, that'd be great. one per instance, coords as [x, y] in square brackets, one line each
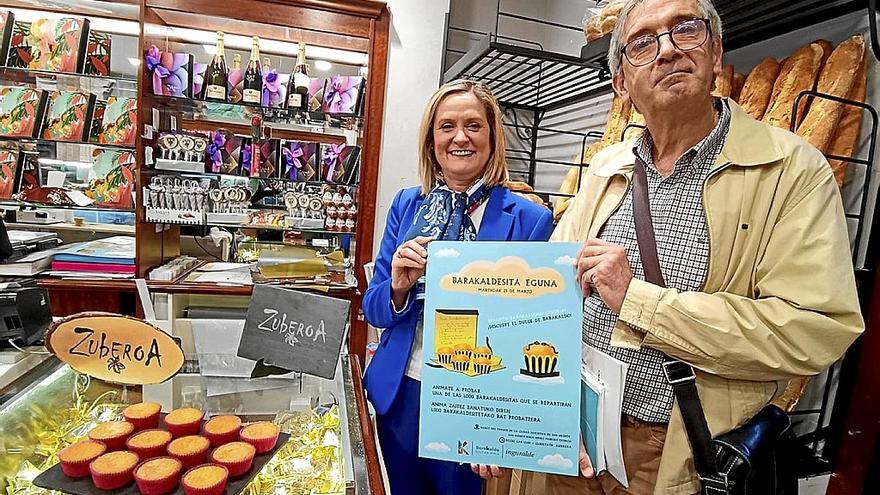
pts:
[115, 365]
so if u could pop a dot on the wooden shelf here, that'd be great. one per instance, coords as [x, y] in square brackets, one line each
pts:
[77, 143]
[163, 287]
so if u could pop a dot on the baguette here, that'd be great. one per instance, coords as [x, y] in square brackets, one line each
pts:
[848, 128]
[797, 74]
[519, 186]
[724, 82]
[757, 88]
[827, 48]
[738, 81]
[836, 79]
[593, 29]
[618, 117]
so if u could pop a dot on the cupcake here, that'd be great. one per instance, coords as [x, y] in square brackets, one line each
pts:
[76, 457]
[482, 352]
[143, 416]
[190, 450]
[112, 434]
[113, 470]
[237, 457]
[541, 359]
[444, 355]
[158, 476]
[184, 421]
[263, 436]
[149, 443]
[482, 365]
[464, 350]
[460, 362]
[207, 479]
[222, 429]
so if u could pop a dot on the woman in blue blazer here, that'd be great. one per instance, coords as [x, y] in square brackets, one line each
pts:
[462, 197]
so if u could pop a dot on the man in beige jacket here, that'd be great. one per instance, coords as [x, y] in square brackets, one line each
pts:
[751, 239]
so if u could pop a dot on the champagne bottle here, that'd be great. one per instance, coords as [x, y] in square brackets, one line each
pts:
[217, 74]
[253, 76]
[234, 79]
[298, 86]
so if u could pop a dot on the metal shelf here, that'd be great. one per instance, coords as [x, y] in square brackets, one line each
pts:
[751, 21]
[530, 79]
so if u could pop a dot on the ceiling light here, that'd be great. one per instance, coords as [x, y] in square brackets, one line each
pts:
[267, 46]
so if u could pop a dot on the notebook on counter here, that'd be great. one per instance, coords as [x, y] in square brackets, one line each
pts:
[112, 250]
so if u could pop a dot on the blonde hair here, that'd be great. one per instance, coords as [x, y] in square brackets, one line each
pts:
[496, 168]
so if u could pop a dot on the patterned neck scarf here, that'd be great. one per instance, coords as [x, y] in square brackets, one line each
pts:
[445, 214]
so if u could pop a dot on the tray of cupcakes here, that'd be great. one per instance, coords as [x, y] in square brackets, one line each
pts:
[185, 454]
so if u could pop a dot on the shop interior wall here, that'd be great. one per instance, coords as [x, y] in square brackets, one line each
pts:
[414, 54]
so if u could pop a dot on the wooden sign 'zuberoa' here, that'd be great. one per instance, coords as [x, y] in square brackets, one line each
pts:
[115, 348]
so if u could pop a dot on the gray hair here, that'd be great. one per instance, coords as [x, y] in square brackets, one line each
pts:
[705, 7]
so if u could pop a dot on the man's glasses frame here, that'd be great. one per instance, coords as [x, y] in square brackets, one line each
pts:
[682, 43]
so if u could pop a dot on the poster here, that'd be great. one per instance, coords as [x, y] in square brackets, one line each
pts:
[501, 378]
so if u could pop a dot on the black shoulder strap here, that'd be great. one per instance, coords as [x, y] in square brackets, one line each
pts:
[680, 375]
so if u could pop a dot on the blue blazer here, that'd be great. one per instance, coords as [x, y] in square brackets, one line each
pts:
[507, 217]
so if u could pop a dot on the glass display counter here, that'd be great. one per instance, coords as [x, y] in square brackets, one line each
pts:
[53, 406]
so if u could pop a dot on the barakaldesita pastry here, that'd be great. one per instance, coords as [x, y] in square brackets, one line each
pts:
[460, 362]
[113, 470]
[237, 457]
[540, 358]
[444, 355]
[143, 416]
[464, 350]
[76, 457]
[482, 365]
[112, 434]
[207, 479]
[262, 435]
[158, 476]
[222, 429]
[482, 352]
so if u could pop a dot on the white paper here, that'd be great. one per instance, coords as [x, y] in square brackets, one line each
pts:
[79, 198]
[612, 372]
[222, 267]
[55, 178]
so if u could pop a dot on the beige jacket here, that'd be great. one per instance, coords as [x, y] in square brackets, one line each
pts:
[779, 299]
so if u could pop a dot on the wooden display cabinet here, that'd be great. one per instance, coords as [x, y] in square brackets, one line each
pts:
[352, 28]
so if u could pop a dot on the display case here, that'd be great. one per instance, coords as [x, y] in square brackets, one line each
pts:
[52, 406]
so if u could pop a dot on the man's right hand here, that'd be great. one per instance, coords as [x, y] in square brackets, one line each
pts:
[407, 265]
[584, 463]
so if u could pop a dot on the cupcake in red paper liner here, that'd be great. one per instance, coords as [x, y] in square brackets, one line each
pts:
[222, 429]
[143, 416]
[113, 470]
[237, 457]
[149, 443]
[158, 476]
[184, 421]
[191, 450]
[262, 435]
[76, 457]
[113, 434]
[207, 479]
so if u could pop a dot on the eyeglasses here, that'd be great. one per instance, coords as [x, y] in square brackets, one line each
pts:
[686, 36]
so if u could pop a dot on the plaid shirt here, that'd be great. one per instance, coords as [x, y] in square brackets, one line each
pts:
[683, 251]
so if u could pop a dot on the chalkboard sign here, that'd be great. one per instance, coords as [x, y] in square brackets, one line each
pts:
[294, 330]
